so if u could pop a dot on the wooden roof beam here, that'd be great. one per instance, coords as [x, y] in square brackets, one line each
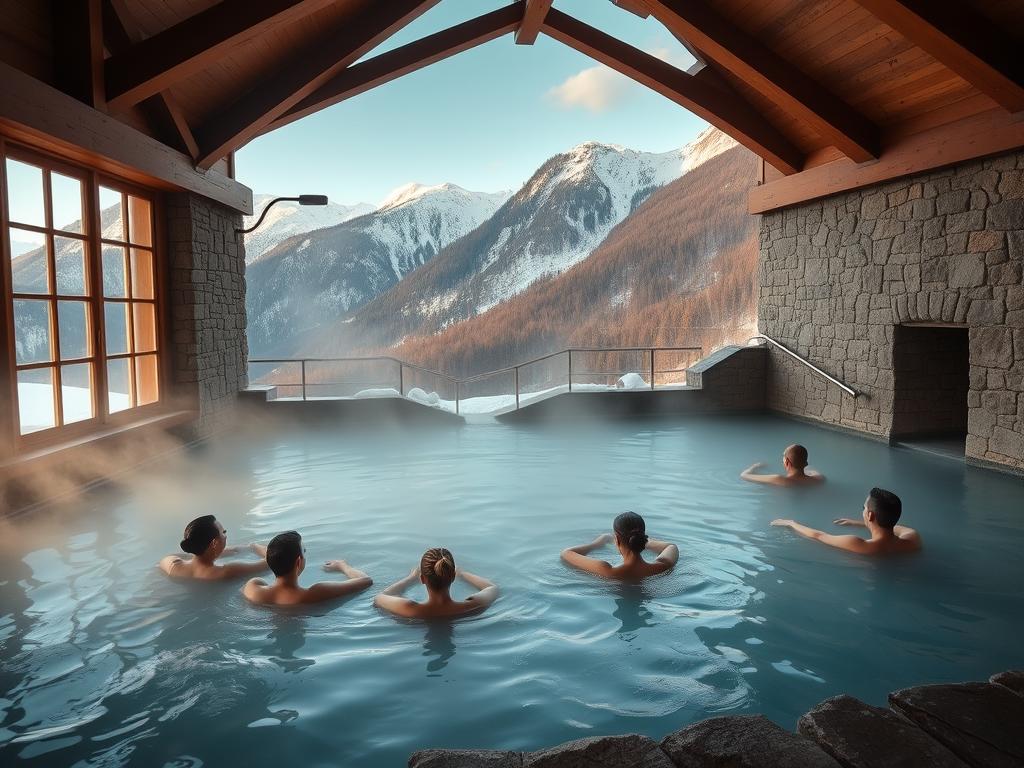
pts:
[747, 58]
[533, 16]
[389, 66]
[276, 91]
[961, 39]
[78, 50]
[161, 111]
[158, 62]
[636, 7]
[723, 109]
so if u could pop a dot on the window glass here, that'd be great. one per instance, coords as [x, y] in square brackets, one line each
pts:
[114, 274]
[140, 221]
[36, 409]
[66, 199]
[69, 257]
[111, 214]
[73, 329]
[30, 265]
[146, 379]
[76, 392]
[144, 326]
[25, 200]
[119, 385]
[142, 274]
[32, 342]
[115, 319]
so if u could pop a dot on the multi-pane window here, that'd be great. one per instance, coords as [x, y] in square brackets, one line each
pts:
[82, 295]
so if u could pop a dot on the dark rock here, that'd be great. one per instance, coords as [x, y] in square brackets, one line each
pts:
[465, 758]
[861, 736]
[980, 722]
[742, 741]
[1014, 680]
[601, 752]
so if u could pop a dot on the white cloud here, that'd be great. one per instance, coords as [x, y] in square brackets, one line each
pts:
[596, 89]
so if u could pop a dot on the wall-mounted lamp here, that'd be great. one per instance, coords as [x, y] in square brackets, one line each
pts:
[301, 200]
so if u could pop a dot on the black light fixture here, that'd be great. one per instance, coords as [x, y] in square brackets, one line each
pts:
[301, 200]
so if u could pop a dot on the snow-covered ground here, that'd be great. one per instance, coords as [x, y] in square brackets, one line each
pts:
[35, 405]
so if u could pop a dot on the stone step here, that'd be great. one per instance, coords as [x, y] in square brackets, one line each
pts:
[601, 752]
[980, 722]
[465, 758]
[743, 741]
[1012, 679]
[859, 735]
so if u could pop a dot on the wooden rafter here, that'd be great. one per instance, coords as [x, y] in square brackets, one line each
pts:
[275, 92]
[161, 111]
[963, 40]
[532, 18]
[156, 63]
[78, 50]
[723, 109]
[386, 67]
[637, 7]
[747, 58]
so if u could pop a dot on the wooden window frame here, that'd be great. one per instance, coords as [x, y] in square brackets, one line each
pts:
[95, 300]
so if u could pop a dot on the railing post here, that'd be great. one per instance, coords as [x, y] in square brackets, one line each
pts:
[456, 397]
[570, 370]
[517, 387]
[652, 367]
[401, 379]
[303, 379]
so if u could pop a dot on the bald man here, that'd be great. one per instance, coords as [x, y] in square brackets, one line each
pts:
[794, 460]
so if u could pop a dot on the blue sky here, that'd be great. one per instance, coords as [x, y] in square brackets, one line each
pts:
[485, 119]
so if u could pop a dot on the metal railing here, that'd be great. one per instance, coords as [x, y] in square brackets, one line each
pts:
[849, 390]
[528, 378]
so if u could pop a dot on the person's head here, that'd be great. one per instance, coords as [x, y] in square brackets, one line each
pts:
[883, 508]
[285, 554]
[795, 457]
[630, 533]
[437, 569]
[205, 536]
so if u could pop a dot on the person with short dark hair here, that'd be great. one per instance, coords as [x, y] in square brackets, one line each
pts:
[880, 516]
[437, 572]
[286, 557]
[794, 461]
[206, 540]
[631, 539]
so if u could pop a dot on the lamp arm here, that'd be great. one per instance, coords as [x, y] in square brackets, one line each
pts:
[263, 215]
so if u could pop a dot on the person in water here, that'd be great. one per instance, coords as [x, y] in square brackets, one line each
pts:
[881, 512]
[287, 559]
[794, 460]
[206, 540]
[631, 539]
[437, 572]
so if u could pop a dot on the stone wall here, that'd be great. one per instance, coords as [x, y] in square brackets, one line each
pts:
[838, 275]
[209, 351]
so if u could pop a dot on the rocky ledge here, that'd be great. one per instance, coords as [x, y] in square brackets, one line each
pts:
[944, 726]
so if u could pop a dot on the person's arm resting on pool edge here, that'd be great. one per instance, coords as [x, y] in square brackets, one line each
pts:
[846, 542]
[667, 554]
[577, 556]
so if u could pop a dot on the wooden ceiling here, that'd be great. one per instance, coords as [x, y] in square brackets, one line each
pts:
[800, 82]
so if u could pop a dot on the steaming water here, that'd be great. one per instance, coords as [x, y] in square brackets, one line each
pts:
[106, 662]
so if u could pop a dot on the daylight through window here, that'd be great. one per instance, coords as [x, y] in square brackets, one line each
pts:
[82, 295]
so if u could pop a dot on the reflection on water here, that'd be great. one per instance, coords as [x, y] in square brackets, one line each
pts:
[105, 662]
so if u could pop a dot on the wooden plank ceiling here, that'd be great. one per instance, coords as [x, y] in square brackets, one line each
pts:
[800, 82]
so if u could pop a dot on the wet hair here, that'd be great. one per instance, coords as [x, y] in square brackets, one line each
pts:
[282, 552]
[199, 534]
[630, 528]
[437, 567]
[797, 456]
[886, 505]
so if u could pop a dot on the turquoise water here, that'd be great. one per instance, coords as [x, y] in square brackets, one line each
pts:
[106, 662]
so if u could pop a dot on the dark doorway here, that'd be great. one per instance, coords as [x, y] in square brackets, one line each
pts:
[931, 366]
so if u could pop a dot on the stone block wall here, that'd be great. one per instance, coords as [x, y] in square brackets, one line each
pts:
[733, 378]
[209, 351]
[838, 275]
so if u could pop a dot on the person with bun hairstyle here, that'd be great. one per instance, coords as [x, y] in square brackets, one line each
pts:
[437, 572]
[631, 539]
[286, 557]
[206, 540]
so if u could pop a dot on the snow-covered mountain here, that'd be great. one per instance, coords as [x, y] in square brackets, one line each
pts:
[558, 218]
[314, 278]
[287, 219]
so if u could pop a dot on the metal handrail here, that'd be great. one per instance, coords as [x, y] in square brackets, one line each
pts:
[460, 383]
[849, 390]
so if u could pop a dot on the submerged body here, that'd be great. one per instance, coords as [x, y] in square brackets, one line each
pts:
[794, 461]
